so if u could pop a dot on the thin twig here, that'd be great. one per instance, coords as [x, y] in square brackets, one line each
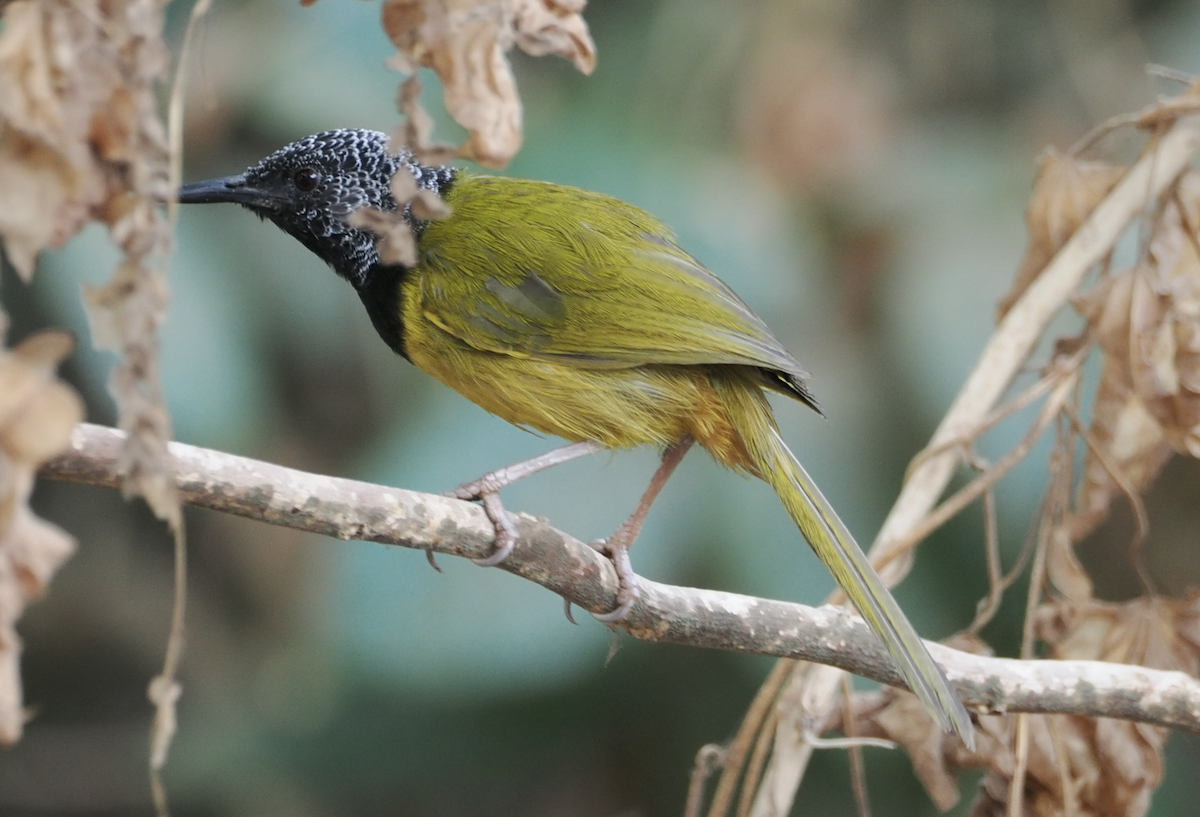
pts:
[753, 728]
[1016, 783]
[758, 759]
[858, 774]
[995, 569]
[1117, 475]
[984, 482]
[707, 760]
[1021, 401]
[164, 690]
[988, 605]
[1168, 73]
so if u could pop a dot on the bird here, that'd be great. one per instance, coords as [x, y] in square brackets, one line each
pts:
[577, 315]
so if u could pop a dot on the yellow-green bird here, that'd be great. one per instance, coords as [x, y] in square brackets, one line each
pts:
[578, 315]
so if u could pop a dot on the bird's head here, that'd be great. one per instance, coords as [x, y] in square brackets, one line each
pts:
[311, 186]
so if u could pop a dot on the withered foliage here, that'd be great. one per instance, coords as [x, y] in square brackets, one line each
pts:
[37, 413]
[466, 43]
[1065, 192]
[81, 139]
[1144, 322]
[1097, 767]
[936, 757]
[1088, 767]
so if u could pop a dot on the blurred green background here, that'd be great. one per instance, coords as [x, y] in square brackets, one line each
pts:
[856, 170]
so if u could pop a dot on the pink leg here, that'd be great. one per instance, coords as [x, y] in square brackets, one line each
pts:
[486, 489]
[616, 547]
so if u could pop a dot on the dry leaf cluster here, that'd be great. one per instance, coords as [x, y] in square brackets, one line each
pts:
[1089, 767]
[81, 139]
[37, 414]
[466, 43]
[1065, 192]
[396, 244]
[1144, 322]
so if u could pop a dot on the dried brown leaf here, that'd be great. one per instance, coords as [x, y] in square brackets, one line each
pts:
[1084, 767]
[555, 27]
[1151, 632]
[43, 201]
[396, 243]
[1147, 322]
[900, 717]
[936, 757]
[466, 44]
[1132, 441]
[1063, 568]
[1100, 767]
[428, 206]
[1164, 321]
[417, 132]
[404, 187]
[1063, 774]
[1065, 192]
[80, 138]
[37, 413]
[1079, 766]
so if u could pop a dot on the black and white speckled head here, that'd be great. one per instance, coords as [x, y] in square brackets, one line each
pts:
[309, 187]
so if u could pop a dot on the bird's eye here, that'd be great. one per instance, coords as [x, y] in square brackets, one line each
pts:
[306, 179]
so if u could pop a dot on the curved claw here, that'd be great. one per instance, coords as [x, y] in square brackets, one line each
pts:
[506, 531]
[627, 584]
[496, 558]
[432, 560]
[467, 491]
[617, 614]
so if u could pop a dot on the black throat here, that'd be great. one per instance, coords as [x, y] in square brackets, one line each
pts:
[380, 294]
[380, 286]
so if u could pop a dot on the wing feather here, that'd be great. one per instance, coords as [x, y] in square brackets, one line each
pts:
[522, 274]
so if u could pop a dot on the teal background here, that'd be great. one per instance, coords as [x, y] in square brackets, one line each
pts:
[874, 227]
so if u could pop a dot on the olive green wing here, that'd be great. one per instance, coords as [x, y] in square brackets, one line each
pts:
[540, 270]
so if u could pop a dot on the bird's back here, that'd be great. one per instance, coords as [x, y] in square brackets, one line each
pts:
[533, 269]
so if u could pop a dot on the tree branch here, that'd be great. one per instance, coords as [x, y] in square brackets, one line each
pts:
[346, 509]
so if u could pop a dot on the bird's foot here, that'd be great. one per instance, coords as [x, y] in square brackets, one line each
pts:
[627, 584]
[486, 491]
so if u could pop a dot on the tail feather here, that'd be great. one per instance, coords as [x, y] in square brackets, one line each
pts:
[836, 548]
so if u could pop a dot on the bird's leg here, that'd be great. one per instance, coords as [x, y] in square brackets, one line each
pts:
[616, 547]
[486, 489]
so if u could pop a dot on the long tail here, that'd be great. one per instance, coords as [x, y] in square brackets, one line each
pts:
[835, 546]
